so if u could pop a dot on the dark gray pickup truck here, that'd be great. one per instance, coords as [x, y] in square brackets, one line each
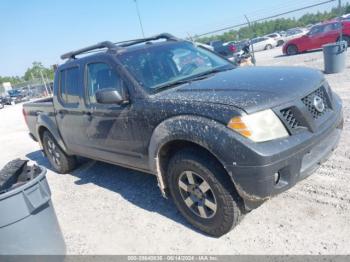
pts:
[221, 140]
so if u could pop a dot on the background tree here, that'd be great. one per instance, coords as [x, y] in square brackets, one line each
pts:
[12, 79]
[36, 70]
[280, 24]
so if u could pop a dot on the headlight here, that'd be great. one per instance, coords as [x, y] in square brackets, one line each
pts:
[259, 127]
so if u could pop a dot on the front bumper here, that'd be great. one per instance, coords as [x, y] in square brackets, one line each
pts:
[293, 162]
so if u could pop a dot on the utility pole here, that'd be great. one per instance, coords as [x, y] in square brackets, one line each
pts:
[48, 82]
[340, 21]
[253, 54]
[140, 21]
[42, 79]
[32, 76]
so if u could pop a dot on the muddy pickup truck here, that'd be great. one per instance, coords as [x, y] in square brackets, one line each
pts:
[221, 140]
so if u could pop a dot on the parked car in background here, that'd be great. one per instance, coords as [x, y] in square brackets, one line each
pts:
[6, 99]
[295, 33]
[224, 50]
[2, 103]
[318, 36]
[278, 38]
[262, 43]
[204, 45]
[282, 33]
[241, 44]
[17, 96]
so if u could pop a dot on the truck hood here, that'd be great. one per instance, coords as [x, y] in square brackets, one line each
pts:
[250, 89]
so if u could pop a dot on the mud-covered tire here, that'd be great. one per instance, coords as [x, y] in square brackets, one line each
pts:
[59, 160]
[228, 204]
[292, 50]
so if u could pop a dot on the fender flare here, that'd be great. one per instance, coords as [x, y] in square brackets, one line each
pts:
[45, 121]
[202, 131]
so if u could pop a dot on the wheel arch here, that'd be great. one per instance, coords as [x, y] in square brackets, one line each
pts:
[292, 44]
[45, 123]
[179, 133]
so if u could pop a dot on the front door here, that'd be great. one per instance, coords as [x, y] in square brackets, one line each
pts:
[110, 129]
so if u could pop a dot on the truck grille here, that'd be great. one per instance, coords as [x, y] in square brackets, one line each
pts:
[289, 118]
[308, 102]
[293, 116]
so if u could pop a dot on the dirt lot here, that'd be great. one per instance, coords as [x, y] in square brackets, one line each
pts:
[104, 209]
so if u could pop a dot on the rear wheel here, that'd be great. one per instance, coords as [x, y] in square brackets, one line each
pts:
[60, 161]
[267, 47]
[280, 42]
[1, 105]
[292, 50]
[346, 38]
[203, 193]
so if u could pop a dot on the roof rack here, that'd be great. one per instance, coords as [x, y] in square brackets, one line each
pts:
[107, 44]
[166, 36]
[114, 46]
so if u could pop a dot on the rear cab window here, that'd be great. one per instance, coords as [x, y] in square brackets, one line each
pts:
[69, 85]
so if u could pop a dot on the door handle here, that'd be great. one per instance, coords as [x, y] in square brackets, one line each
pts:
[88, 115]
[62, 112]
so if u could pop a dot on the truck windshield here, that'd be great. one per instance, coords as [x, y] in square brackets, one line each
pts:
[161, 66]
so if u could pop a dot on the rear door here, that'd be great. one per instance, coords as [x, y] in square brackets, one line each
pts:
[68, 104]
[332, 32]
[323, 34]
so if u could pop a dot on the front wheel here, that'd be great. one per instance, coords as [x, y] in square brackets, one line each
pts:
[292, 50]
[59, 160]
[203, 193]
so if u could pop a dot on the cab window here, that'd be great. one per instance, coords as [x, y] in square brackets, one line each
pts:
[69, 85]
[100, 76]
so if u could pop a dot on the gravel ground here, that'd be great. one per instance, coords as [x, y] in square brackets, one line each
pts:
[104, 209]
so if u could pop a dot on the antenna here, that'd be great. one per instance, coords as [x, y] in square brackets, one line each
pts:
[140, 21]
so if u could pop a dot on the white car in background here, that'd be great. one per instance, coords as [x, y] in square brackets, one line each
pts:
[295, 33]
[278, 38]
[262, 43]
[204, 45]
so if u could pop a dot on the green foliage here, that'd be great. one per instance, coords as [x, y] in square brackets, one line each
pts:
[270, 26]
[32, 72]
[12, 79]
[36, 70]
[347, 9]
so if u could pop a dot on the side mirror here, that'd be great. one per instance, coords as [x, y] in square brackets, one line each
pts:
[110, 96]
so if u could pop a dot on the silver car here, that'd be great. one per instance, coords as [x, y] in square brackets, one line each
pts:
[295, 32]
[278, 38]
[262, 43]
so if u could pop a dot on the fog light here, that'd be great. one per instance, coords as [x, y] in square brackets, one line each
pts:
[277, 177]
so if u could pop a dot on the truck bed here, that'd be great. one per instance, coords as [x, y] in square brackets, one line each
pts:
[38, 108]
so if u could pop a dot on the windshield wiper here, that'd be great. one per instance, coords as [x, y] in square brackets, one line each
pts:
[215, 70]
[193, 78]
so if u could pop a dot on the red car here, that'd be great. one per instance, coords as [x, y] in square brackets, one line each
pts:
[317, 36]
